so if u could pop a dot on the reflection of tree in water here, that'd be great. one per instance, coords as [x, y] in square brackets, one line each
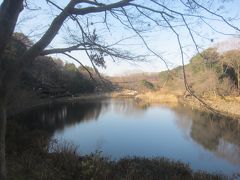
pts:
[56, 116]
[127, 107]
[183, 120]
[229, 151]
[38, 125]
[29, 128]
[217, 134]
[59, 115]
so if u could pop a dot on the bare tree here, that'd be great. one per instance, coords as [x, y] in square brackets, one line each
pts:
[136, 16]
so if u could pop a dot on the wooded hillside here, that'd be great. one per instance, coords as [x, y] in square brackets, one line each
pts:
[209, 72]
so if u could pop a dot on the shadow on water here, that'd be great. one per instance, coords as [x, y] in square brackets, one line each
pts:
[29, 128]
[57, 116]
[217, 134]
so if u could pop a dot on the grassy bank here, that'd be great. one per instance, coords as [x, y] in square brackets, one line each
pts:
[224, 105]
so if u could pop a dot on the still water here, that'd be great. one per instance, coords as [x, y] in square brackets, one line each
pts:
[120, 127]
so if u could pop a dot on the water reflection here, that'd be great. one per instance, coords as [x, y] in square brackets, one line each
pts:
[122, 127]
[219, 135]
[58, 116]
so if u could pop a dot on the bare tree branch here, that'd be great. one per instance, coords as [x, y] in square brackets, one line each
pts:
[101, 8]
[215, 14]
[75, 59]
[143, 40]
[184, 70]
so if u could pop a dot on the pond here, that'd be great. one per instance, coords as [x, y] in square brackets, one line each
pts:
[120, 128]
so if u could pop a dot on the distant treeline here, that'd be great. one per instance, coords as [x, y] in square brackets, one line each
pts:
[51, 77]
[209, 72]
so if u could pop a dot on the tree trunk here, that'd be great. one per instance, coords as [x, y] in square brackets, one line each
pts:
[9, 12]
[238, 78]
[3, 124]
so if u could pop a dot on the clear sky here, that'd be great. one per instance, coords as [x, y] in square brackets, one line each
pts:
[162, 40]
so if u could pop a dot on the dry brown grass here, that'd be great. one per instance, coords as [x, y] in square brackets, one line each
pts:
[228, 105]
[157, 97]
[124, 93]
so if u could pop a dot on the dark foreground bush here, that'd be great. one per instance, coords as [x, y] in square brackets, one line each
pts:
[67, 165]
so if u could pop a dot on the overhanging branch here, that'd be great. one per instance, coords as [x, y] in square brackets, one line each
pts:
[101, 8]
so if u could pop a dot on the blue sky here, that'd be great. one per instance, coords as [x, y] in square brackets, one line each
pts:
[161, 40]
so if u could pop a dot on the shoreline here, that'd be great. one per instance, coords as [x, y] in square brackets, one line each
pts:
[221, 107]
[31, 104]
[224, 106]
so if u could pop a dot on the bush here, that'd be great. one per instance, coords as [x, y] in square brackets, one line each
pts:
[148, 84]
[226, 87]
[62, 162]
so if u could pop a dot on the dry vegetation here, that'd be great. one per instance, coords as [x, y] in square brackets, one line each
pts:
[64, 163]
[212, 76]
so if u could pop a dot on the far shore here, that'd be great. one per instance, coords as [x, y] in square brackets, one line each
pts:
[226, 106]
[34, 103]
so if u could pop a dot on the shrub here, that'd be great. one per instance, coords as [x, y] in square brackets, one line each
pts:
[148, 84]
